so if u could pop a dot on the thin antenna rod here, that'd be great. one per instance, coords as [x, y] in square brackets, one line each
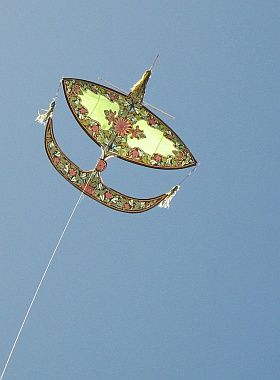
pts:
[153, 64]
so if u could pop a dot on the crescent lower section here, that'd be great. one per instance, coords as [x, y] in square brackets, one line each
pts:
[90, 182]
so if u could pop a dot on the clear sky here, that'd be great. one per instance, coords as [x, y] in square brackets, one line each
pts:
[186, 293]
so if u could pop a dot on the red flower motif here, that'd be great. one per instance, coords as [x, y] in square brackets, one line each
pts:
[126, 206]
[56, 160]
[88, 189]
[152, 120]
[122, 126]
[72, 172]
[94, 128]
[83, 110]
[135, 153]
[108, 195]
[157, 157]
[137, 133]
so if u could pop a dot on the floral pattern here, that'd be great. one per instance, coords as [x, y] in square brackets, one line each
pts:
[110, 116]
[137, 133]
[123, 125]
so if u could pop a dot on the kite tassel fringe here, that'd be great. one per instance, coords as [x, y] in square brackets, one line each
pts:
[169, 196]
[42, 118]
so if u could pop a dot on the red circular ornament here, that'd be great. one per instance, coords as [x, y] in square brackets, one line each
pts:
[101, 165]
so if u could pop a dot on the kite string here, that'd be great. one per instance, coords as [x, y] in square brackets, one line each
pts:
[43, 277]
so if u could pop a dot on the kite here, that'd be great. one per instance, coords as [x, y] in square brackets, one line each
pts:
[123, 127]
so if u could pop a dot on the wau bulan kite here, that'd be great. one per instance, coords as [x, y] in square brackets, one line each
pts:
[123, 127]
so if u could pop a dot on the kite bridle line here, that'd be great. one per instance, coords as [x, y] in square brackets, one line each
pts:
[58, 88]
[193, 170]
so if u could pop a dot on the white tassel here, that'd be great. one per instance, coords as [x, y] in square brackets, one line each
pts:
[169, 196]
[42, 118]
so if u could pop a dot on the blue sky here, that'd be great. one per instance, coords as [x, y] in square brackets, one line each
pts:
[186, 293]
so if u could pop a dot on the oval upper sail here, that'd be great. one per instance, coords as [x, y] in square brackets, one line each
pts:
[134, 133]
